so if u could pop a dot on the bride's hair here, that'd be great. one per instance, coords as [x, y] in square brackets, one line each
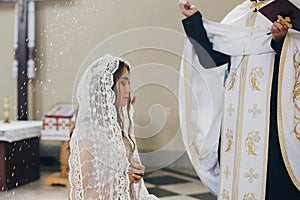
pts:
[117, 75]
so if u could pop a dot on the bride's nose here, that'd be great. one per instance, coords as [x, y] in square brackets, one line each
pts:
[129, 89]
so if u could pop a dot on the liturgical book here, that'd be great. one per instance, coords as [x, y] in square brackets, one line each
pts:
[284, 8]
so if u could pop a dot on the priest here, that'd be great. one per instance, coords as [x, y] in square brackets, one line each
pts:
[253, 81]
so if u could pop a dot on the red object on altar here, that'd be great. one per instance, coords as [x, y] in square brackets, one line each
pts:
[57, 122]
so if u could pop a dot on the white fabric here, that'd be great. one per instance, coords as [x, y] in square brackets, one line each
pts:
[200, 100]
[289, 102]
[295, 2]
[245, 135]
[19, 130]
[98, 159]
[245, 40]
[245, 130]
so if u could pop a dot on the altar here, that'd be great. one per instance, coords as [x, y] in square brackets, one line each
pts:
[19, 153]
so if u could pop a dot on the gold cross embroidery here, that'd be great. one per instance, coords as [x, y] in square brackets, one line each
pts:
[230, 109]
[227, 172]
[255, 111]
[251, 175]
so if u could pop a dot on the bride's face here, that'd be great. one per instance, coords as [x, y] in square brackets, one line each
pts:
[123, 89]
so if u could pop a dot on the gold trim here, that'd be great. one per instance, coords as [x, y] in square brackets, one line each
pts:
[251, 19]
[232, 80]
[267, 128]
[222, 145]
[249, 23]
[296, 98]
[239, 126]
[279, 113]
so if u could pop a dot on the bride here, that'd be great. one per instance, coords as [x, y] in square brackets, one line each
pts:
[104, 162]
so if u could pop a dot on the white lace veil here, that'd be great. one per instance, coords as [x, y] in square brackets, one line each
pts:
[98, 162]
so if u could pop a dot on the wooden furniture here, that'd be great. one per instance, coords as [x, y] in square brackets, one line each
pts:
[60, 178]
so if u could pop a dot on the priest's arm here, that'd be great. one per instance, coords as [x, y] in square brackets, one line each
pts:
[197, 34]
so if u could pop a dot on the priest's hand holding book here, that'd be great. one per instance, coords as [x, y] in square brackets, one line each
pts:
[278, 30]
[285, 14]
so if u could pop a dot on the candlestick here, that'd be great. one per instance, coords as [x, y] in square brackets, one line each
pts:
[6, 110]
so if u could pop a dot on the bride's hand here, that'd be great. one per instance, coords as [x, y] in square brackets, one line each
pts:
[187, 9]
[136, 171]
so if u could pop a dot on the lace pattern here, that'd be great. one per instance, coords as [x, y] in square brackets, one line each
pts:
[98, 157]
[98, 162]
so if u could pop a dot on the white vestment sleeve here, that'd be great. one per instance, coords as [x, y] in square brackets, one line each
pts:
[237, 41]
[200, 101]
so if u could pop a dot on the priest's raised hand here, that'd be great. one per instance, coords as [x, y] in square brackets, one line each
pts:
[186, 8]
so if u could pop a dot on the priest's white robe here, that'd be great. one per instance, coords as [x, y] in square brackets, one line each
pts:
[242, 104]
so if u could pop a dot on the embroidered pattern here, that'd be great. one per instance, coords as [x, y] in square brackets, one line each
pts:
[227, 172]
[252, 138]
[249, 196]
[255, 74]
[225, 195]
[230, 109]
[251, 175]
[255, 111]
[232, 80]
[296, 100]
[229, 139]
[256, 5]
